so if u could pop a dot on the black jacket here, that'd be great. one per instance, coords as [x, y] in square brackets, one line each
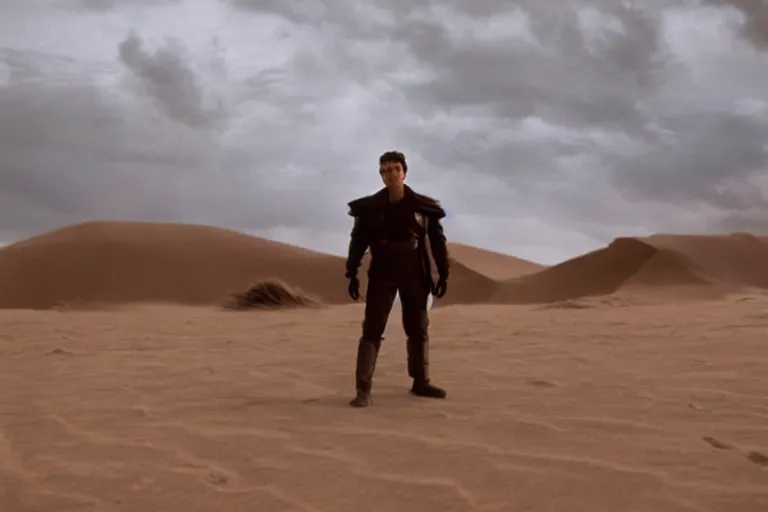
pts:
[365, 210]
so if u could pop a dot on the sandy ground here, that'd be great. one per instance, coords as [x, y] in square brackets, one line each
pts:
[593, 405]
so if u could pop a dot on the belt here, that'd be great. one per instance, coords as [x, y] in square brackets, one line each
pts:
[411, 243]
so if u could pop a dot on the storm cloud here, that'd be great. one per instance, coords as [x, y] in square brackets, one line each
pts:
[546, 129]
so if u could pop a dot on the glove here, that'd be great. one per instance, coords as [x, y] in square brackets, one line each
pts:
[440, 287]
[354, 288]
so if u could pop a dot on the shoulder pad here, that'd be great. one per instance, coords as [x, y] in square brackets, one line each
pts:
[429, 206]
[364, 205]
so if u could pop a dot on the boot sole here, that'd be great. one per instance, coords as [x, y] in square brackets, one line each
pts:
[429, 396]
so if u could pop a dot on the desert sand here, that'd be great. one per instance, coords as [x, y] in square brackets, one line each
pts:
[628, 379]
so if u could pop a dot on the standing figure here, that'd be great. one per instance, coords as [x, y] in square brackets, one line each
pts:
[394, 223]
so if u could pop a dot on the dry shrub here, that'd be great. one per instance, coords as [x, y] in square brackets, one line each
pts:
[270, 294]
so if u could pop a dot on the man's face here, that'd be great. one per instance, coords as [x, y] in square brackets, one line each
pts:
[392, 174]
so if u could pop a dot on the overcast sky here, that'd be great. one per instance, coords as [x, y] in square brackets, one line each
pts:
[546, 128]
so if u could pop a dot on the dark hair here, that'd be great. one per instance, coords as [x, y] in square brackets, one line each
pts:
[394, 157]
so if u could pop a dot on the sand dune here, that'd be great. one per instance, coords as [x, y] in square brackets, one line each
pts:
[602, 409]
[690, 266]
[123, 262]
[739, 259]
[107, 263]
[494, 265]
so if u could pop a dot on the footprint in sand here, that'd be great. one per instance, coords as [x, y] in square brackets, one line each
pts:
[754, 457]
[758, 458]
[539, 383]
[216, 478]
[720, 445]
[59, 352]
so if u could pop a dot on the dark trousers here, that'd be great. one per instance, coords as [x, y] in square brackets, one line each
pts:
[414, 292]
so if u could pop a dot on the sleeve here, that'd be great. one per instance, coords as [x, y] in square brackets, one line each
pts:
[358, 244]
[438, 245]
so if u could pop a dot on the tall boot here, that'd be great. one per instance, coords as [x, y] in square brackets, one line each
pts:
[418, 369]
[367, 353]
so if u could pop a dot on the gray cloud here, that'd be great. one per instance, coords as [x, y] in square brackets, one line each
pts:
[149, 149]
[620, 107]
[167, 77]
[105, 5]
[755, 19]
[520, 75]
[711, 151]
[545, 131]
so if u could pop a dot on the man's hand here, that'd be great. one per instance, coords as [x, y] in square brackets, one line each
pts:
[354, 288]
[440, 287]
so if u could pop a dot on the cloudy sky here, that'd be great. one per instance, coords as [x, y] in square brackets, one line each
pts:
[547, 128]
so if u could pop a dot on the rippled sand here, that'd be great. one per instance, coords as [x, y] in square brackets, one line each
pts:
[592, 405]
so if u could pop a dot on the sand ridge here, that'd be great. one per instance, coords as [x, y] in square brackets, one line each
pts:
[689, 265]
[112, 263]
[492, 264]
[125, 262]
[738, 258]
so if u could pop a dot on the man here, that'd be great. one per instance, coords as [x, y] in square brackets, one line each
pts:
[394, 224]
